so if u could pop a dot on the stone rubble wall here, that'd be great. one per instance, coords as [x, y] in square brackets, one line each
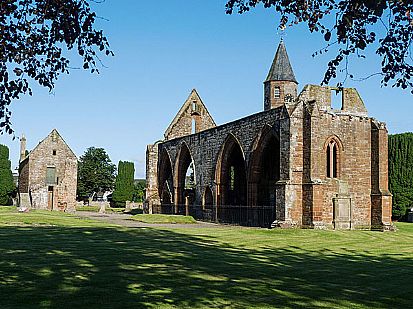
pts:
[65, 162]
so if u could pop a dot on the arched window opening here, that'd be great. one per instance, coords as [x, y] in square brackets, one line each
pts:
[190, 177]
[332, 159]
[193, 126]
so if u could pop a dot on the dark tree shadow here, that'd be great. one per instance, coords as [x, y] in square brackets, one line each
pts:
[52, 267]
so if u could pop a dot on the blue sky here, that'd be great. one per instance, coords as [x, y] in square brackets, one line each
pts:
[165, 48]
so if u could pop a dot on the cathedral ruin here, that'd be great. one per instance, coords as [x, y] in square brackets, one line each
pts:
[299, 163]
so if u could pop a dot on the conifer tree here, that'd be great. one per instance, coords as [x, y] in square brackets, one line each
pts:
[7, 186]
[124, 183]
[401, 172]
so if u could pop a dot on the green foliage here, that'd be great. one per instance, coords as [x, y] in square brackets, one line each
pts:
[7, 187]
[124, 186]
[139, 193]
[401, 172]
[37, 42]
[352, 26]
[164, 219]
[96, 172]
[88, 208]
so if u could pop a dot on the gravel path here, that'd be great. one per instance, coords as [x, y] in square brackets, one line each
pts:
[125, 220]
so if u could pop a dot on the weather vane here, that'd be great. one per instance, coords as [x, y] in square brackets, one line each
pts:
[282, 31]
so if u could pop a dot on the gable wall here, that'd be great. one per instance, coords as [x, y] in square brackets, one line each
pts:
[65, 163]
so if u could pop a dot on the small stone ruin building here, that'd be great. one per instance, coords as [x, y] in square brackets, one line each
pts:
[48, 175]
[303, 161]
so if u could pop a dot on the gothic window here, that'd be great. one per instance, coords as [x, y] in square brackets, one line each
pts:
[332, 154]
[193, 126]
[277, 93]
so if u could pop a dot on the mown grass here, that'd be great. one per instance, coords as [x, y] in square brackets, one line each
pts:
[75, 263]
[157, 218]
[9, 216]
[97, 208]
[88, 208]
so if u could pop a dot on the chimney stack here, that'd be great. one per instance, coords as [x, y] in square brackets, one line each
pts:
[22, 148]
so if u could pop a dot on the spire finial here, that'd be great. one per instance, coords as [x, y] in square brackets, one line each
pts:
[282, 32]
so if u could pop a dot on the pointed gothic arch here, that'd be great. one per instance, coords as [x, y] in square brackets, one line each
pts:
[165, 178]
[230, 174]
[264, 168]
[333, 152]
[183, 163]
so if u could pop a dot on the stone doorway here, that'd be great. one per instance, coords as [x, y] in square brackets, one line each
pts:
[50, 197]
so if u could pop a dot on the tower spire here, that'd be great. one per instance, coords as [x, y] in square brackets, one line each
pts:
[280, 86]
[281, 69]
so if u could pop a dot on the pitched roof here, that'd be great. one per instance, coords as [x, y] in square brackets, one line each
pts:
[281, 69]
[54, 131]
[193, 95]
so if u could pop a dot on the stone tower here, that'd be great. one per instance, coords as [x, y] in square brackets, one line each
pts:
[280, 87]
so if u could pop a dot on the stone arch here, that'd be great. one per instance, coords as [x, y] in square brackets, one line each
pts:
[333, 153]
[183, 162]
[165, 178]
[230, 174]
[208, 198]
[264, 168]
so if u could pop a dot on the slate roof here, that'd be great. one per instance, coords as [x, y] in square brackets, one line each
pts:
[281, 69]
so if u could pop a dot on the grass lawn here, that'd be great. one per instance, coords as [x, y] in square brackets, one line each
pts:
[174, 219]
[97, 208]
[88, 208]
[52, 260]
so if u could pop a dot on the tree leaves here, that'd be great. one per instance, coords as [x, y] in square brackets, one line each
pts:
[124, 183]
[33, 37]
[401, 172]
[7, 187]
[353, 29]
[96, 172]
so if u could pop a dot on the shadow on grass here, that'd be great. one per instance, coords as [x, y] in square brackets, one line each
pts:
[53, 267]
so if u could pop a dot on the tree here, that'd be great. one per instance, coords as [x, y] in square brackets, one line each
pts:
[401, 172]
[35, 35]
[352, 25]
[96, 172]
[124, 183]
[7, 187]
[139, 193]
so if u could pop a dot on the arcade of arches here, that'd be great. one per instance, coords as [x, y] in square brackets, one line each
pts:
[300, 162]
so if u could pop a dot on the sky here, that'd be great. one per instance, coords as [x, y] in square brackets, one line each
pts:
[163, 49]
